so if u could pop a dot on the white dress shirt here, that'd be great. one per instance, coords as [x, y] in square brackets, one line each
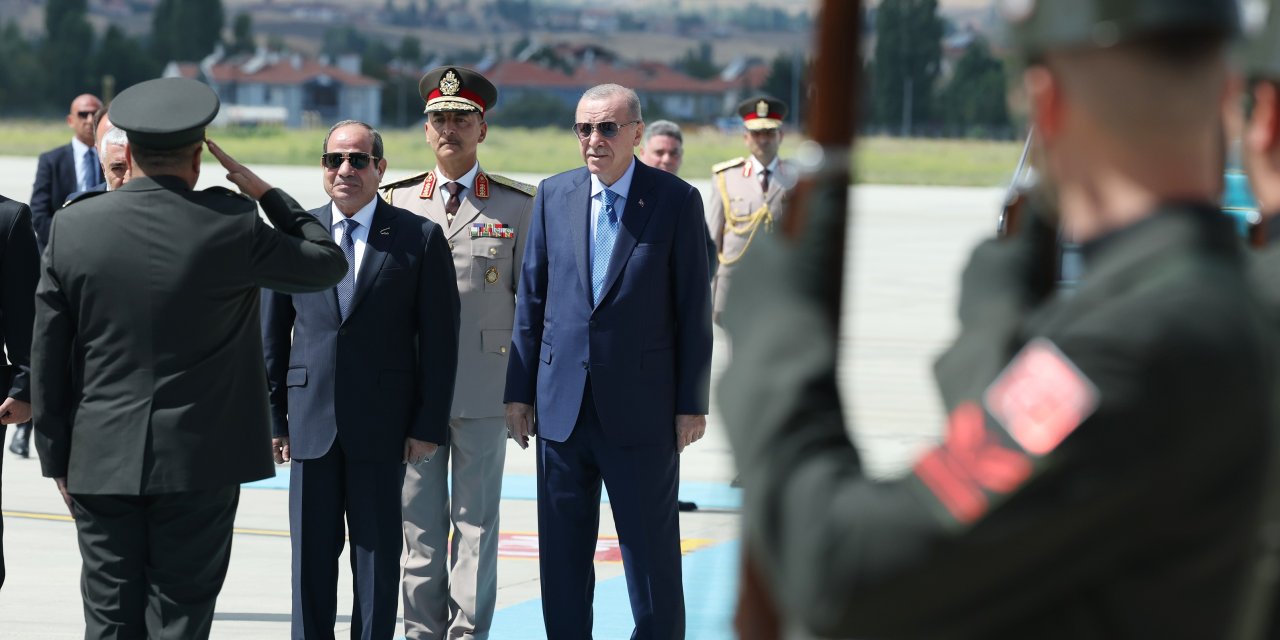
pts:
[468, 181]
[619, 188]
[78, 149]
[361, 237]
[757, 169]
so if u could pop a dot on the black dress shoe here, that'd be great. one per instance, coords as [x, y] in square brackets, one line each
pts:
[687, 506]
[20, 445]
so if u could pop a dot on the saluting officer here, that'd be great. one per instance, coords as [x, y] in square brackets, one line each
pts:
[148, 388]
[750, 192]
[485, 217]
[1102, 468]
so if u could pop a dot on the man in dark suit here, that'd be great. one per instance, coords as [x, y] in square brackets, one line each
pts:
[67, 169]
[19, 270]
[61, 172]
[363, 388]
[147, 380]
[612, 341]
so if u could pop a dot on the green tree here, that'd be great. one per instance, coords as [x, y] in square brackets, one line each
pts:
[907, 58]
[22, 77]
[410, 51]
[242, 40]
[974, 99]
[698, 62]
[64, 61]
[784, 83]
[186, 30]
[124, 59]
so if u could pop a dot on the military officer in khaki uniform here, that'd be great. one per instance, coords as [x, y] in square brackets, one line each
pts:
[750, 192]
[452, 593]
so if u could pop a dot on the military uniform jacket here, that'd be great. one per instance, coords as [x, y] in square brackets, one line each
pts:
[741, 212]
[19, 271]
[487, 240]
[149, 294]
[1101, 470]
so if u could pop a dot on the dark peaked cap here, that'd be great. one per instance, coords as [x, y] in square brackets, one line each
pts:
[165, 113]
[1037, 26]
[457, 89]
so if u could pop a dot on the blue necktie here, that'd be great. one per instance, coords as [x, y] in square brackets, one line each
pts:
[347, 288]
[89, 167]
[606, 234]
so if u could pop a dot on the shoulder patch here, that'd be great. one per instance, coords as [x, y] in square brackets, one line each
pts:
[227, 192]
[81, 197]
[728, 164]
[526, 189]
[415, 180]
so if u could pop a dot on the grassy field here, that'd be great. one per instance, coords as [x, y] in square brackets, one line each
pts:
[545, 151]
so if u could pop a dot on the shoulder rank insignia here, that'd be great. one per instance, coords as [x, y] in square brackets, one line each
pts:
[428, 186]
[727, 164]
[526, 189]
[85, 195]
[492, 230]
[482, 185]
[405, 182]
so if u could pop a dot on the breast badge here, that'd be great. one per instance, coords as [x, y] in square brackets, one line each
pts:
[491, 276]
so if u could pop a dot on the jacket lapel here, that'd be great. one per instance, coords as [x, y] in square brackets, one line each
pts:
[635, 216]
[325, 215]
[376, 247]
[578, 205]
[470, 208]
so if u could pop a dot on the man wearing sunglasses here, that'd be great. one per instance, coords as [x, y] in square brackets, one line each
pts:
[750, 191]
[61, 172]
[612, 343]
[451, 590]
[362, 389]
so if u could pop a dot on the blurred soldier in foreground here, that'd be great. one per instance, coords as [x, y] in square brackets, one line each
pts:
[19, 270]
[750, 192]
[1103, 461]
[148, 388]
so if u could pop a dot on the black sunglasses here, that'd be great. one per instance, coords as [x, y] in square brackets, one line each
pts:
[606, 129]
[359, 160]
[85, 115]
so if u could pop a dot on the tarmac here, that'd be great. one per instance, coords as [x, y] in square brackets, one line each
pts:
[909, 245]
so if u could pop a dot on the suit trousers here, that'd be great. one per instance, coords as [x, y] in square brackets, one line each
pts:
[454, 595]
[153, 564]
[643, 482]
[321, 492]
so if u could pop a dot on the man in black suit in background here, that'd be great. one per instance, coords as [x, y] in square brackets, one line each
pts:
[61, 172]
[19, 270]
[148, 389]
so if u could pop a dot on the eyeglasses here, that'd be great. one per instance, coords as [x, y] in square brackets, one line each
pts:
[606, 129]
[85, 115]
[359, 160]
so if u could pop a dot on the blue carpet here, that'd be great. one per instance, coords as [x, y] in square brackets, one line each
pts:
[710, 585]
[708, 495]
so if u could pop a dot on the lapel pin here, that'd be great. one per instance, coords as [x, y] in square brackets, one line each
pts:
[386, 231]
[640, 202]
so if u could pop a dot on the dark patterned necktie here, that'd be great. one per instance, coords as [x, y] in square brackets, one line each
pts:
[764, 180]
[452, 204]
[347, 287]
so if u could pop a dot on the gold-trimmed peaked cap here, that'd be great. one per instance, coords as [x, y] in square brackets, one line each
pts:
[762, 112]
[165, 113]
[1038, 26]
[457, 89]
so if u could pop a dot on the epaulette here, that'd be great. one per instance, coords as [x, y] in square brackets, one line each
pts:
[227, 192]
[406, 182]
[81, 197]
[527, 189]
[728, 164]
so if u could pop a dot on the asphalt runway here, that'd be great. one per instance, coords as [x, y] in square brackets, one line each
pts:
[909, 245]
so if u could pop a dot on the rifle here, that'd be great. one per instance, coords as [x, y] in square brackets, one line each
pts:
[817, 214]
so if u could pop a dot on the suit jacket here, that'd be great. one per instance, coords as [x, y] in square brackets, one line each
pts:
[387, 371]
[149, 294]
[740, 211]
[487, 269]
[647, 344]
[19, 272]
[55, 180]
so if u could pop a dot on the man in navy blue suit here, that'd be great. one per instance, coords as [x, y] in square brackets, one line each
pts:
[612, 344]
[363, 388]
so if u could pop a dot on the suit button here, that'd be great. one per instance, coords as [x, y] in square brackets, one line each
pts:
[592, 324]
[342, 332]
[585, 365]
[451, 245]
